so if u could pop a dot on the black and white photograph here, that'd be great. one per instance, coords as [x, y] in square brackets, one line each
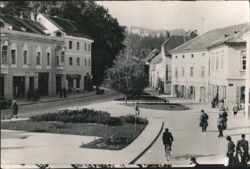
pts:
[121, 84]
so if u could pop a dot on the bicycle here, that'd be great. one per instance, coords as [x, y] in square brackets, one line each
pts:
[167, 151]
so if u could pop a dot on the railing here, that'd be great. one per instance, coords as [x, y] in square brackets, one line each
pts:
[4, 69]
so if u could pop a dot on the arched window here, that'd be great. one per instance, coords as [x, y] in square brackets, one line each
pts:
[4, 55]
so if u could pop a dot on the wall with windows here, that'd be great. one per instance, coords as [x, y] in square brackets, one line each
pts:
[190, 75]
[24, 56]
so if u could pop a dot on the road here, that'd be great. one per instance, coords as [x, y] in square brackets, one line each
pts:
[40, 108]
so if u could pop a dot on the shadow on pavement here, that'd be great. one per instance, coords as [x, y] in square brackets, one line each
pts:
[188, 156]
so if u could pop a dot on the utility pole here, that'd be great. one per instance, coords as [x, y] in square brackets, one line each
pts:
[203, 19]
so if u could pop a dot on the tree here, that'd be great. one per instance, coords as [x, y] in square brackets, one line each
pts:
[126, 76]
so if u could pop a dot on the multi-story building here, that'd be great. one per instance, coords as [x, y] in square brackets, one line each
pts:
[160, 63]
[27, 57]
[73, 67]
[47, 58]
[211, 64]
[247, 92]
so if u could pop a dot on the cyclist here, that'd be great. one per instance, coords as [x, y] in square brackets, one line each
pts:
[167, 139]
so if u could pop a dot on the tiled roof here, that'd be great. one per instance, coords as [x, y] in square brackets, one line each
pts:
[212, 38]
[175, 41]
[24, 25]
[152, 54]
[66, 26]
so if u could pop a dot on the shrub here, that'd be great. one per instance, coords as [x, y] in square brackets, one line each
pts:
[87, 116]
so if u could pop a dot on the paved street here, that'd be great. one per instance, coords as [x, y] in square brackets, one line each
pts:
[39, 108]
[189, 141]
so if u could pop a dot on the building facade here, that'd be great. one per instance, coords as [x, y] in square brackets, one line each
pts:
[27, 63]
[36, 59]
[211, 64]
[160, 66]
[247, 83]
[74, 67]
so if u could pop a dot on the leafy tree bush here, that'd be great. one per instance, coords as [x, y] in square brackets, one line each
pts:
[86, 116]
[126, 76]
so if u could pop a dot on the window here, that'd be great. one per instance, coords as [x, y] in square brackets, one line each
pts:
[85, 46]
[13, 56]
[4, 55]
[78, 61]
[89, 47]
[48, 59]
[85, 62]
[70, 61]
[25, 53]
[202, 71]
[38, 58]
[57, 60]
[203, 54]
[212, 57]
[176, 72]
[191, 71]
[217, 62]
[243, 60]
[183, 56]
[222, 62]
[62, 56]
[182, 72]
[176, 57]
[77, 45]
[166, 73]
[192, 55]
[70, 44]
[89, 62]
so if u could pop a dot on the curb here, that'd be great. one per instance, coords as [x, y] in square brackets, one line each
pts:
[150, 145]
[55, 100]
[62, 99]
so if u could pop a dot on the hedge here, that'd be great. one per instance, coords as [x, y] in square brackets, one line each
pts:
[87, 116]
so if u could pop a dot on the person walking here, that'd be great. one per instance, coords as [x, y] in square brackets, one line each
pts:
[137, 110]
[203, 121]
[14, 109]
[230, 150]
[236, 108]
[242, 148]
[220, 125]
[167, 139]
[224, 116]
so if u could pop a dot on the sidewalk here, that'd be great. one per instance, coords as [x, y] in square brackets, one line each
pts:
[30, 148]
[43, 99]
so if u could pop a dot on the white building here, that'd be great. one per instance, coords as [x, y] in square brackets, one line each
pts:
[160, 63]
[74, 65]
[247, 95]
[211, 64]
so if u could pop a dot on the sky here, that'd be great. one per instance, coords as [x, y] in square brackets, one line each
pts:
[178, 14]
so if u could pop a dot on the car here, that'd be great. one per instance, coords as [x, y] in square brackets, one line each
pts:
[5, 103]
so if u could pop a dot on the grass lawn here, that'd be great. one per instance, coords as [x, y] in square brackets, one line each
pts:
[161, 106]
[112, 137]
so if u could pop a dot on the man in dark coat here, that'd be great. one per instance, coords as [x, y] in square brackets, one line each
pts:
[14, 109]
[242, 148]
[230, 150]
[203, 121]
[224, 116]
[220, 125]
[167, 139]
